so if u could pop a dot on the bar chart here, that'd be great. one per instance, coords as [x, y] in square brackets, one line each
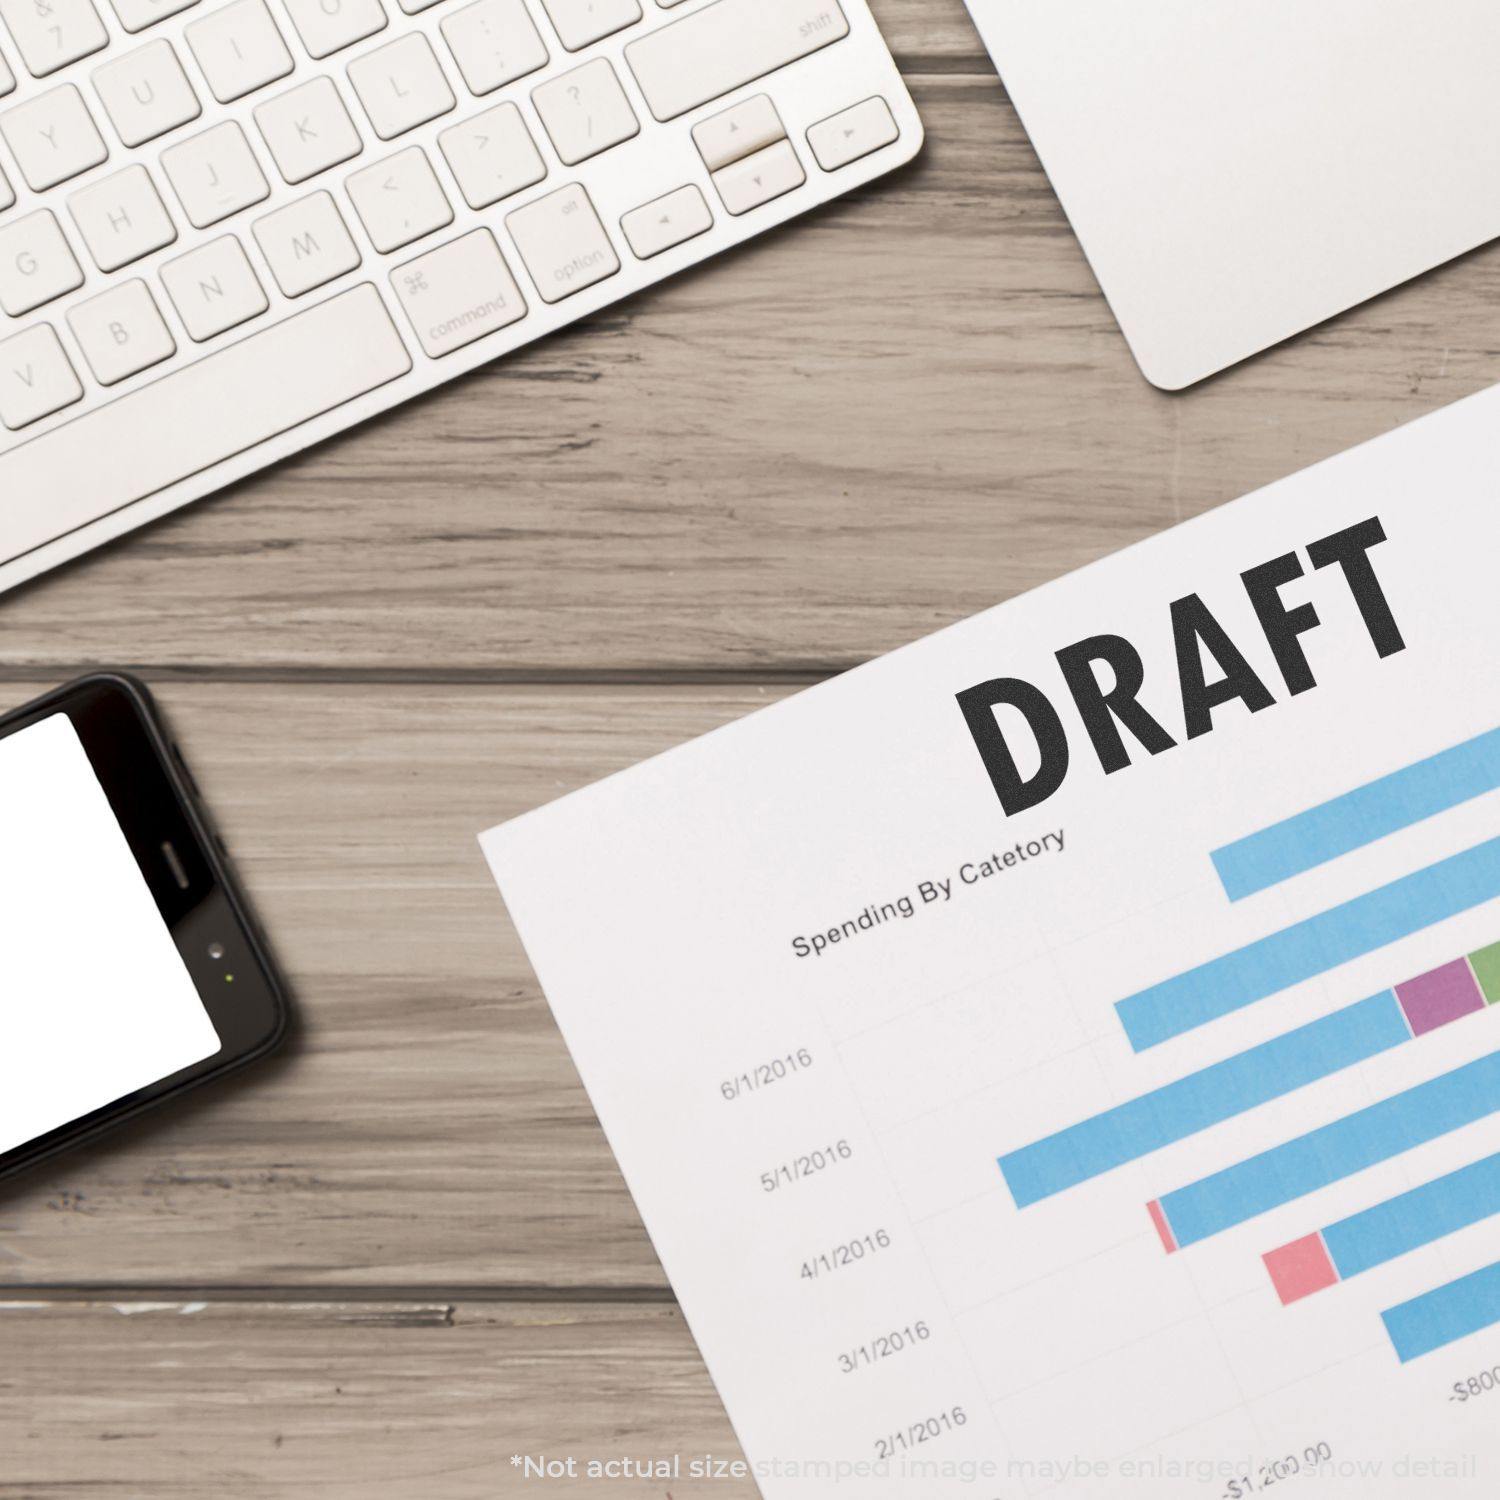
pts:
[1339, 1149]
[1445, 1314]
[1385, 1231]
[1312, 947]
[1461, 991]
[1359, 817]
[1225, 1089]
[1061, 1059]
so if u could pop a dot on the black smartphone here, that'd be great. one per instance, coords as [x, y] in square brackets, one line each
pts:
[130, 968]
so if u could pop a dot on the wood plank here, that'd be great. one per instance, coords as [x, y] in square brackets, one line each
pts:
[932, 34]
[349, 1401]
[425, 1125]
[878, 422]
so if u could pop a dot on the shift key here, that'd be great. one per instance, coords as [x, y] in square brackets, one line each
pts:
[727, 44]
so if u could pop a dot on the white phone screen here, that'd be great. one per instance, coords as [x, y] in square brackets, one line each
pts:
[95, 1000]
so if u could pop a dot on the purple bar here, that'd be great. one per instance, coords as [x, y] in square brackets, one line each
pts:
[1435, 999]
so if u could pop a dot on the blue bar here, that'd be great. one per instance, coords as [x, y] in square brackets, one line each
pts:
[1357, 818]
[1311, 947]
[1202, 1099]
[1442, 1317]
[1421, 1217]
[1334, 1151]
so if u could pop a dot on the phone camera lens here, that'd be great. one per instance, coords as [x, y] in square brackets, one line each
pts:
[216, 951]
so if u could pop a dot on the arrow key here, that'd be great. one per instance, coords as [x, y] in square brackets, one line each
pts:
[759, 179]
[667, 222]
[852, 134]
[738, 132]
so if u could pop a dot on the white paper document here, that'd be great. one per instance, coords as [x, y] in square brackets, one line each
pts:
[1063, 1056]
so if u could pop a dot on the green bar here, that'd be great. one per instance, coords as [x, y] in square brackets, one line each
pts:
[1486, 965]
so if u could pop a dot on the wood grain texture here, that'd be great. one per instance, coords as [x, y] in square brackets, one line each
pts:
[932, 34]
[348, 1400]
[893, 414]
[424, 1126]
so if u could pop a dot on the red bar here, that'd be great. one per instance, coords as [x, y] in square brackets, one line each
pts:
[1162, 1227]
[1301, 1268]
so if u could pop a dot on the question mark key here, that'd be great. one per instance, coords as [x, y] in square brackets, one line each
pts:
[585, 111]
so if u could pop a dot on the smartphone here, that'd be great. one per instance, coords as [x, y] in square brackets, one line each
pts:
[130, 968]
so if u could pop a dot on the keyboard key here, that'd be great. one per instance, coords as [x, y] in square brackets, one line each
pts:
[494, 42]
[737, 132]
[585, 111]
[492, 155]
[852, 134]
[121, 218]
[306, 244]
[215, 174]
[582, 22]
[7, 78]
[563, 243]
[50, 34]
[224, 404]
[214, 288]
[732, 42]
[459, 293]
[239, 49]
[35, 381]
[401, 85]
[137, 15]
[760, 178]
[399, 200]
[308, 129]
[7, 193]
[146, 93]
[53, 137]
[121, 333]
[328, 26]
[415, 7]
[667, 222]
[36, 264]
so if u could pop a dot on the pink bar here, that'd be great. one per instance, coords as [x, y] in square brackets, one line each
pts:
[1439, 997]
[1162, 1227]
[1301, 1268]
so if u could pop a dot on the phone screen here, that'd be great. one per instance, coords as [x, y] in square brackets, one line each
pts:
[95, 1000]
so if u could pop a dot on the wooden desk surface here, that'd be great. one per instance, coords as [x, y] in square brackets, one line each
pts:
[400, 1253]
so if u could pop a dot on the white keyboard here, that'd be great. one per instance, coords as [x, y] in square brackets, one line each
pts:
[228, 230]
